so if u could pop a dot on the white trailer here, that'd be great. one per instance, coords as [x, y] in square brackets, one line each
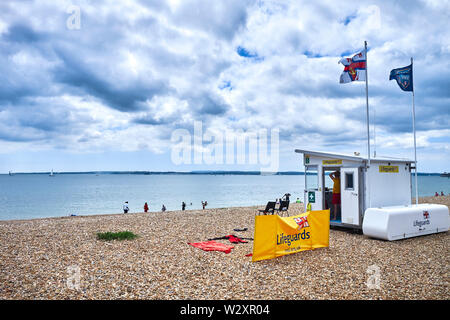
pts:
[384, 184]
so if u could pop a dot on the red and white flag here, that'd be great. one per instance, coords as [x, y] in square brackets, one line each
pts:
[354, 68]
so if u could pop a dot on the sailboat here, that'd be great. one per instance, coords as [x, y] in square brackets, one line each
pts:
[51, 173]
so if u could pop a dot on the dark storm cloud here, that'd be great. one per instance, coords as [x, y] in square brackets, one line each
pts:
[208, 104]
[41, 120]
[15, 134]
[150, 119]
[436, 85]
[24, 34]
[394, 114]
[113, 92]
[75, 69]
[201, 104]
[21, 81]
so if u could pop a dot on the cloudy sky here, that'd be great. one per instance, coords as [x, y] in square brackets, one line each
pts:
[103, 85]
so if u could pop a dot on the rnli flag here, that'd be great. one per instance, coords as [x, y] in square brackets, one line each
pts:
[404, 77]
[354, 68]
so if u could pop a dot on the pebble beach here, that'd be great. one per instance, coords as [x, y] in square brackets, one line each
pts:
[40, 258]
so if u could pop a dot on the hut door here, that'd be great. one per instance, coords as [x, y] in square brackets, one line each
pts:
[313, 194]
[350, 195]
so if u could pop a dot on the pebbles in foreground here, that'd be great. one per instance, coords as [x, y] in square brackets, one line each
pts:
[61, 258]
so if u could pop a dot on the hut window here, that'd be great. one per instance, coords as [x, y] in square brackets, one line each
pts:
[349, 181]
[312, 179]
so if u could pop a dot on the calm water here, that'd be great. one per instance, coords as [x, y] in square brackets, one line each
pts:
[25, 196]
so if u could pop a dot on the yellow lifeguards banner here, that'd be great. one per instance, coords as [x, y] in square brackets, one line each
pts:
[277, 236]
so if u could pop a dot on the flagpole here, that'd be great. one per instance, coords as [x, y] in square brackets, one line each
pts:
[414, 129]
[374, 134]
[368, 131]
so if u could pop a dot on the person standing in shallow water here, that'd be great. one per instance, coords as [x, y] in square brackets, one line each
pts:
[146, 207]
[163, 209]
[125, 207]
[183, 206]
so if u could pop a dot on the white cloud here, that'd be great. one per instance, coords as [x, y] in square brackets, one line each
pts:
[136, 71]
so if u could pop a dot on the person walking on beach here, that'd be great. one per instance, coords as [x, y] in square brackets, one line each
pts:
[203, 205]
[146, 207]
[336, 199]
[163, 209]
[125, 207]
[183, 206]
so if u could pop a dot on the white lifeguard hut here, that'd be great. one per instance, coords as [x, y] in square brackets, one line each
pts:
[375, 198]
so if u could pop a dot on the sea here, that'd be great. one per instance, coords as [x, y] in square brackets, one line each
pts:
[28, 196]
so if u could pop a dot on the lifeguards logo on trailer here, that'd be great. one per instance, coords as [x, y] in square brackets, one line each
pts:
[425, 221]
[302, 222]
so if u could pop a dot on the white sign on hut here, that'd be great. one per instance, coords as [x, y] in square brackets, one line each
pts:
[375, 198]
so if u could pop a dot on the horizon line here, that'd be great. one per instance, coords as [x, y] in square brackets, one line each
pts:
[175, 172]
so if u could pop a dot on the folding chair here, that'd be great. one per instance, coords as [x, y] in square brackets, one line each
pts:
[270, 208]
[284, 206]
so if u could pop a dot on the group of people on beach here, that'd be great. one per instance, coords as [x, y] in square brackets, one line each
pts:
[126, 208]
[336, 198]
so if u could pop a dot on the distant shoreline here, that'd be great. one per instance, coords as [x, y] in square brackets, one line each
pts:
[253, 173]
[445, 200]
